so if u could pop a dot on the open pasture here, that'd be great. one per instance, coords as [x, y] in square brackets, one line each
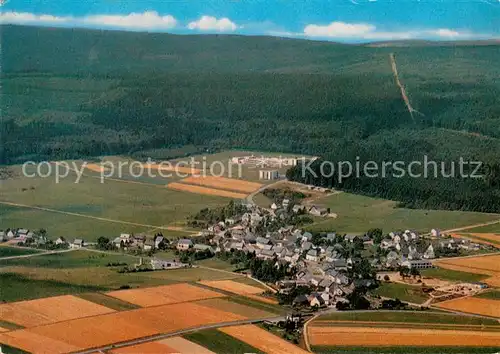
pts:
[220, 342]
[233, 184]
[204, 190]
[262, 339]
[480, 306]
[163, 295]
[232, 286]
[6, 251]
[49, 310]
[357, 213]
[90, 209]
[119, 327]
[393, 337]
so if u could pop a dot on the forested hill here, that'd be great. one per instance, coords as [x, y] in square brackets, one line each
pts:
[80, 93]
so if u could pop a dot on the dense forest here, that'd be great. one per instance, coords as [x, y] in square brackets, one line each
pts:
[74, 93]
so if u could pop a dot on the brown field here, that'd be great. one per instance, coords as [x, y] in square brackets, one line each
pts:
[49, 310]
[165, 346]
[35, 343]
[4, 329]
[489, 265]
[267, 300]
[97, 331]
[164, 295]
[261, 339]
[202, 190]
[185, 346]
[173, 168]
[145, 348]
[373, 337]
[232, 286]
[233, 307]
[475, 305]
[223, 183]
[485, 238]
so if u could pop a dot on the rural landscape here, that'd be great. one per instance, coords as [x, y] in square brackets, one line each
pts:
[177, 181]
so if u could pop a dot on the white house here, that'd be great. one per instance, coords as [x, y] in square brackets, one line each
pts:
[78, 243]
[184, 244]
[312, 255]
[60, 241]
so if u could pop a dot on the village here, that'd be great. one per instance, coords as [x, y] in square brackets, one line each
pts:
[317, 270]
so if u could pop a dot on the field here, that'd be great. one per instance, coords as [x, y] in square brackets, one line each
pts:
[242, 309]
[169, 345]
[6, 251]
[262, 339]
[487, 265]
[232, 286]
[115, 327]
[487, 238]
[204, 190]
[402, 292]
[389, 337]
[358, 213]
[453, 275]
[49, 310]
[223, 183]
[403, 350]
[409, 317]
[108, 301]
[220, 342]
[91, 209]
[163, 295]
[493, 295]
[81, 271]
[480, 306]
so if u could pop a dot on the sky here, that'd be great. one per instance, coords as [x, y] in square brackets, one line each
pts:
[335, 20]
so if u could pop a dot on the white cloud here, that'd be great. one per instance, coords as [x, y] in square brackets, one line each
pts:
[209, 23]
[364, 31]
[26, 17]
[339, 30]
[445, 32]
[145, 20]
[133, 21]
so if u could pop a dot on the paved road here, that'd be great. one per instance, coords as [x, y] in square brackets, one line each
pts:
[249, 198]
[177, 333]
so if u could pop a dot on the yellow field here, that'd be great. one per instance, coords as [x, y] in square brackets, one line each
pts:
[374, 337]
[485, 238]
[223, 183]
[163, 295]
[165, 346]
[166, 167]
[261, 339]
[232, 286]
[203, 190]
[489, 265]
[233, 307]
[475, 305]
[49, 310]
[145, 348]
[116, 327]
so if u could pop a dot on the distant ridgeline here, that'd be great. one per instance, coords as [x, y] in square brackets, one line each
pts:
[111, 92]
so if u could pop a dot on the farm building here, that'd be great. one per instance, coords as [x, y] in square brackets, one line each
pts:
[184, 244]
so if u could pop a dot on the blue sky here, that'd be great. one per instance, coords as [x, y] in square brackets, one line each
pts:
[337, 20]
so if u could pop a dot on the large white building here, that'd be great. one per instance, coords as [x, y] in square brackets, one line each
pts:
[268, 174]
